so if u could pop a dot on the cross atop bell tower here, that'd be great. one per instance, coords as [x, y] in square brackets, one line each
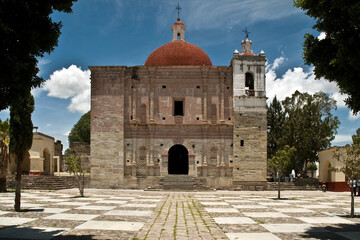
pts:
[178, 28]
[178, 8]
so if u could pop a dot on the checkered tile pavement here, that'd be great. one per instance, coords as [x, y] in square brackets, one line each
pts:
[123, 214]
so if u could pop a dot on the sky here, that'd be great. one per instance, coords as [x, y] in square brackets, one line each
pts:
[119, 32]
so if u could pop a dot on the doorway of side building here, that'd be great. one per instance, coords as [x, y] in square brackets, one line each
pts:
[178, 160]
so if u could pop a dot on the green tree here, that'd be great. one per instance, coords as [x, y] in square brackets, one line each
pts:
[21, 132]
[275, 122]
[81, 130]
[4, 158]
[27, 32]
[74, 166]
[336, 58]
[309, 126]
[350, 156]
[280, 162]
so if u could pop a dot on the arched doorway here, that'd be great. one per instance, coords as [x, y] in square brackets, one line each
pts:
[178, 160]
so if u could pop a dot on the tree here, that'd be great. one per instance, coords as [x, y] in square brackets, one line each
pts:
[280, 162]
[21, 134]
[27, 32]
[275, 121]
[4, 143]
[336, 57]
[309, 126]
[74, 166]
[81, 130]
[350, 156]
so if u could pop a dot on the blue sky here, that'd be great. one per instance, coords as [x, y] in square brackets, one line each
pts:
[119, 32]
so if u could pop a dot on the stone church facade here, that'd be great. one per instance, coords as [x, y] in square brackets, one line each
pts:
[180, 115]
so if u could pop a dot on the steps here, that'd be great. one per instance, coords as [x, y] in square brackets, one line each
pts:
[178, 182]
[45, 182]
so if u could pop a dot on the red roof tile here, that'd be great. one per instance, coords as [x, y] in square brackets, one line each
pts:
[178, 53]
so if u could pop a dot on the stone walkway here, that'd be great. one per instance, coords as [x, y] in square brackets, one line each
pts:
[133, 214]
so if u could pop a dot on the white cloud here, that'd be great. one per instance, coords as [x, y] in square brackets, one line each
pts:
[298, 79]
[72, 83]
[341, 139]
[353, 117]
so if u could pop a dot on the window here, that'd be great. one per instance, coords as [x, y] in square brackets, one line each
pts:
[178, 108]
[249, 81]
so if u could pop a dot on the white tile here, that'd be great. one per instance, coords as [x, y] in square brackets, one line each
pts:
[139, 205]
[75, 217]
[294, 210]
[122, 198]
[234, 220]
[9, 221]
[238, 201]
[252, 236]
[265, 214]
[128, 213]
[273, 204]
[249, 206]
[221, 210]
[317, 206]
[290, 228]
[151, 196]
[146, 200]
[331, 220]
[96, 207]
[111, 225]
[112, 201]
[3, 212]
[214, 203]
[55, 210]
[72, 203]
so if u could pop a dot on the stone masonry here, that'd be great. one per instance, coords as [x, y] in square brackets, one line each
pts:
[205, 121]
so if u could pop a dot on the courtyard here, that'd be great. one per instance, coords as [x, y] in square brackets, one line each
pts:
[135, 214]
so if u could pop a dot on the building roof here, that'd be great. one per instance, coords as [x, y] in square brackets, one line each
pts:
[178, 53]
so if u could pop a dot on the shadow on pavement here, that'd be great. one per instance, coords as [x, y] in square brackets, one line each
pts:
[333, 232]
[19, 232]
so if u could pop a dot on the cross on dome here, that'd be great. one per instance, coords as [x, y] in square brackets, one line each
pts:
[178, 8]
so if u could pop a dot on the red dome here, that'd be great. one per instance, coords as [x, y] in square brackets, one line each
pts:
[178, 53]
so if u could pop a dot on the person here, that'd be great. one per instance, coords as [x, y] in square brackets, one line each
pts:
[358, 186]
[352, 184]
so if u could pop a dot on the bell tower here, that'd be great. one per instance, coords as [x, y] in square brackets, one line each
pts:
[249, 118]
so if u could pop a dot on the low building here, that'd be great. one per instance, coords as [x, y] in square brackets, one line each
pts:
[335, 180]
[43, 157]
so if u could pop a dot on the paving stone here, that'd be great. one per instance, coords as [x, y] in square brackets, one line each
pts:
[9, 221]
[288, 228]
[336, 220]
[75, 217]
[221, 210]
[111, 225]
[294, 210]
[265, 214]
[252, 236]
[139, 205]
[129, 213]
[215, 203]
[234, 220]
[95, 207]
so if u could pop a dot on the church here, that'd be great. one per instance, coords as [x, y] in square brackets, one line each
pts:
[178, 118]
